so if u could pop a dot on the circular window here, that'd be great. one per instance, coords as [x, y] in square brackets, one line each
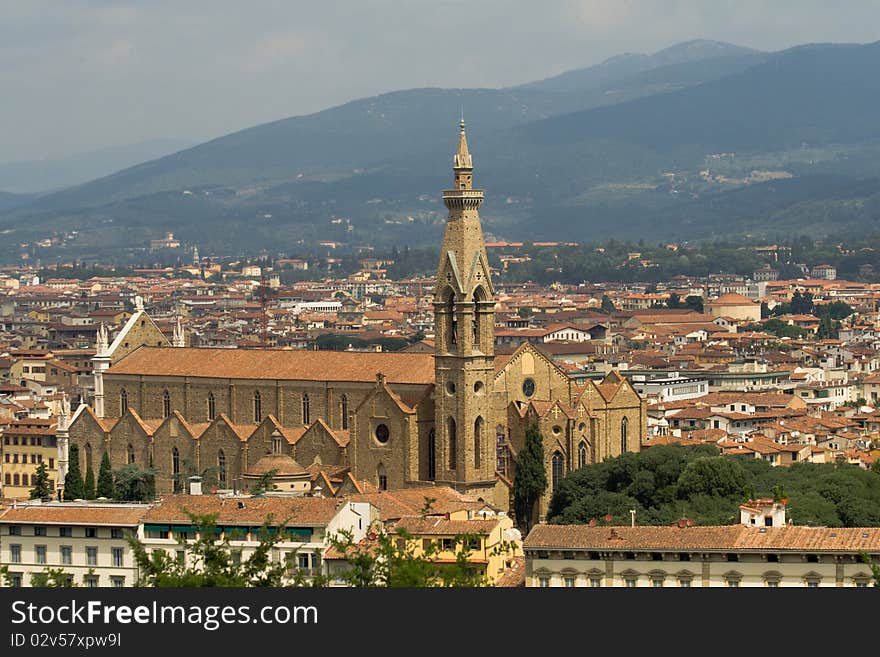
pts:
[528, 387]
[478, 387]
[582, 426]
[557, 430]
[450, 388]
[382, 433]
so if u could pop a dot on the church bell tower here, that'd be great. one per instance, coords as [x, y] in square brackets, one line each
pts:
[464, 330]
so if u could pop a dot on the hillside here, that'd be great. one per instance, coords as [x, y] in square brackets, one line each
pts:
[48, 175]
[730, 142]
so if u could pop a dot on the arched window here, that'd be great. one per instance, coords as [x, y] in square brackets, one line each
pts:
[166, 404]
[276, 442]
[478, 442]
[305, 409]
[123, 402]
[221, 469]
[556, 470]
[88, 455]
[130, 454]
[175, 469]
[451, 323]
[624, 428]
[582, 454]
[479, 319]
[343, 410]
[502, 456]
[212, 408]
[258, 407]
[382, 477]
[450, 433]
[432, 455]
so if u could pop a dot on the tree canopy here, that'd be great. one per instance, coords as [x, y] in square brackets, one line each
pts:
[668, 482]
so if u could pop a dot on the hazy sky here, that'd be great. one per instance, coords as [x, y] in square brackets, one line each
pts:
[78, 75]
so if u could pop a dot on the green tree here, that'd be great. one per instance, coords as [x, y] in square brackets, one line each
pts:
[41, 486]
[827, 329]
[74, 488]
[530, 477]
[607, 305]
[211, 560]
[134, 484]
[105, 478]
[89, 483]
[694, 302]
[265, 482]
[718, 475]
[674, 301]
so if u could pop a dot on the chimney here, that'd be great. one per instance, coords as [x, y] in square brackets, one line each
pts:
[195, 485]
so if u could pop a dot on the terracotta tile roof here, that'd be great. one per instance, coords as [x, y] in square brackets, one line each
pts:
[75, 513]
[289, 364]
[312, 511]
[513, 576]
[729, 538]
[394, 504]
[440, 526]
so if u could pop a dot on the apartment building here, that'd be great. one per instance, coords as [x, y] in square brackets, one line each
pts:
[85, 540]
[682, 555]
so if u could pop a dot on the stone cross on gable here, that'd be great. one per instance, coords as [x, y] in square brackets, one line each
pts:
[555, 412]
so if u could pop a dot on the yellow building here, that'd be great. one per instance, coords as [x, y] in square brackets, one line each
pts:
[492, 543]
[27, 443]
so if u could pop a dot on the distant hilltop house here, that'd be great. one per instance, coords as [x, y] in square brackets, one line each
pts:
[824, 272]
[168, 242]
[765, 273]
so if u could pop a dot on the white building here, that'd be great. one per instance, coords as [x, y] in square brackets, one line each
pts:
[85, 540]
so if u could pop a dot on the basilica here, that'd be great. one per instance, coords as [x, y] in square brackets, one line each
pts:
[343, 422]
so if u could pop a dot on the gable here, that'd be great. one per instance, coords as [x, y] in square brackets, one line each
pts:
[138, 331]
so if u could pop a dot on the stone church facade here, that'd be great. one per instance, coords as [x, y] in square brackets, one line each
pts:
[456, 417]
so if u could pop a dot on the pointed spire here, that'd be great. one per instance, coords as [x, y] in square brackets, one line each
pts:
[462, 159]
[103, 343]
[178, 339]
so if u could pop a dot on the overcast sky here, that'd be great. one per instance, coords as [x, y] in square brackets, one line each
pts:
[78, 75]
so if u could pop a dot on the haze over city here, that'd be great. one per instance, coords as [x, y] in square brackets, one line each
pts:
[83, 75]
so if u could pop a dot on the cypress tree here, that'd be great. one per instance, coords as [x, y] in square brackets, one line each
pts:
[40, 482]
[530, 478]
[105, 478]
[89, 483]
[74, 488]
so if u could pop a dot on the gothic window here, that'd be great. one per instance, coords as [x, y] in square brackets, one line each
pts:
[480, 320]
[382, 476]
[175, 469]
[432, 455]
[450, 432]
[130, 454]
[221, 469]
[556, 470]
[166, 404]
[582, 454]
[258, 407]
[451, 323]
[305, 408]
[478, 443]
[88, 452]
[501, 453]
[123, 402]
[343, 411]
[624, 427]
[212, 409]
